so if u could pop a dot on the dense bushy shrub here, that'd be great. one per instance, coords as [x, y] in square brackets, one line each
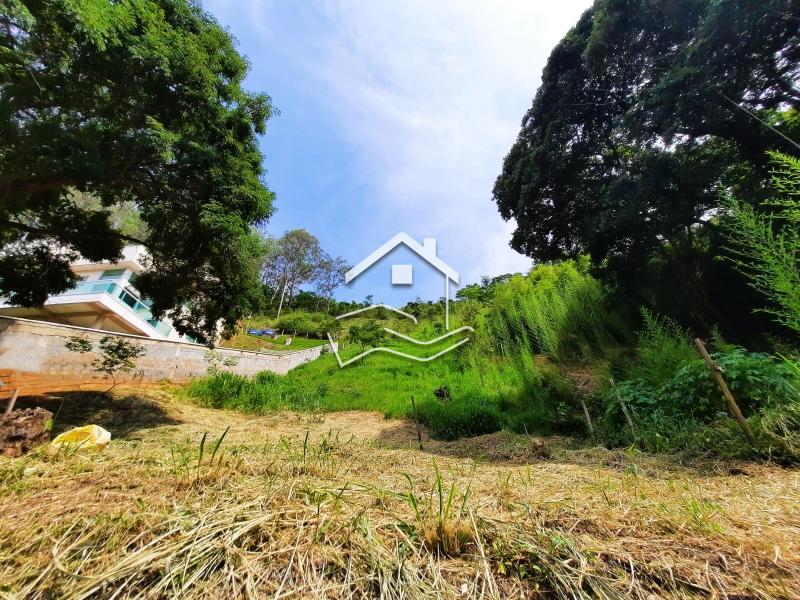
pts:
[688, 412]
[756, 381]
[367, 335]
[466, 416]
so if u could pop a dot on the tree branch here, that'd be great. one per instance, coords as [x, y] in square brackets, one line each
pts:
[59, 233]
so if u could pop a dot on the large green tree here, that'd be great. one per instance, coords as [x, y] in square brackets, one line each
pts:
[647, 111]
[135, 103]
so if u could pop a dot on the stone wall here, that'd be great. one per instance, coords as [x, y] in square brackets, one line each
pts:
[36, 348]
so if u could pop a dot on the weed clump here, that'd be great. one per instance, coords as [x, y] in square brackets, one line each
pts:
[462, 417]
[676, 406]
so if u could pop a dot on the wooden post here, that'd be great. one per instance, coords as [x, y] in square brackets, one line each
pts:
[716, 372]
[12, 402]
[588, 418]
[416, 422]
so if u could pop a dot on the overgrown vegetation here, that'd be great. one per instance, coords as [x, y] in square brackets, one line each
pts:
[675, 405]
[548, 349]
[766, 247]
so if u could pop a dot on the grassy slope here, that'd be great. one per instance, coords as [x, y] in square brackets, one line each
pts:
[383, 382]
[348, 506]
[245, 341]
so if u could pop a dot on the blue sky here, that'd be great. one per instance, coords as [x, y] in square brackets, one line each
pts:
[396, 116]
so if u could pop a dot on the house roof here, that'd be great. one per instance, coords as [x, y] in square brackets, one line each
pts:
[412, 244]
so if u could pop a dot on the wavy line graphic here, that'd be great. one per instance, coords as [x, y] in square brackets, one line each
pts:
[343, 364]
[429, 342]
[393, 351]
[374, 306]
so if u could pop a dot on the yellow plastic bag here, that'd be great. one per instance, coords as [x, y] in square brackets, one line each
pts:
[88, 437]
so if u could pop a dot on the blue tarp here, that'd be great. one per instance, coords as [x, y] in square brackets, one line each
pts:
[266, 332]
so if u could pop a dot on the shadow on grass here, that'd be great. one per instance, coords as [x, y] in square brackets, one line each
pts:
[512, 449]
[121, 414]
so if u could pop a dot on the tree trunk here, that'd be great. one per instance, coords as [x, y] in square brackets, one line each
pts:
[274, 293]
[280, 306]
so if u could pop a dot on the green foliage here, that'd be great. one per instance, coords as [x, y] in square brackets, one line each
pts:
[687, 412]
[558, 310]
[464, 417]
[368, 335]
[308, 323]
[793, 365]
[756, 381]
[219, 389]
[646, 111]
[766, 247]
[117, 355]
[138, 104]
[663, 347]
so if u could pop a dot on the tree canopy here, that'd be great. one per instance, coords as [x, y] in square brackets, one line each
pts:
[135, 103]
[646, 112]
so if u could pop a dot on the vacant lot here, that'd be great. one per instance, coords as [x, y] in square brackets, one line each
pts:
[348, 505]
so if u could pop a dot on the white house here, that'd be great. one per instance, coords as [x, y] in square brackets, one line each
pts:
[106, 298]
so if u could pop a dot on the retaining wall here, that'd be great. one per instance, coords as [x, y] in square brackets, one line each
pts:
[32, 355]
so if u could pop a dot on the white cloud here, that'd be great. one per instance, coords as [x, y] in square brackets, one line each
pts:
[428, 95]
[432, 95]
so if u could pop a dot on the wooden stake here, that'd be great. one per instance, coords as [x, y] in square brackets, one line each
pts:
[588, 418]
[12, 402]
[716, 372]
[416, 422]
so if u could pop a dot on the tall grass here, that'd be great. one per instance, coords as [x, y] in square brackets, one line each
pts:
[663, 347]
[557, 310]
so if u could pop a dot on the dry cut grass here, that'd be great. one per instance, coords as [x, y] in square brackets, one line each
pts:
[347, 506]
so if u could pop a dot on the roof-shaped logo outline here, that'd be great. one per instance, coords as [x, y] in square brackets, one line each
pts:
[411, 244]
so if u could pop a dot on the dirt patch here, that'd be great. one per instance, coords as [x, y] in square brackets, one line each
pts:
[23, 430]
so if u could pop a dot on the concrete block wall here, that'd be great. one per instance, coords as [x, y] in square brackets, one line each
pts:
[37, 348]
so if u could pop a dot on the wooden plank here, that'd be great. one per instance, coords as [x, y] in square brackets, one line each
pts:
[12, 402]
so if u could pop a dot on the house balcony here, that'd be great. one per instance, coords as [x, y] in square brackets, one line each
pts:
[100, 304]
[133, 257]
